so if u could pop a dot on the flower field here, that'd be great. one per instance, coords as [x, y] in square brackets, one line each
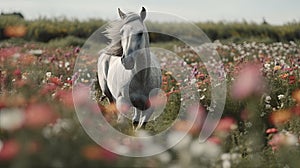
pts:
[260, 126]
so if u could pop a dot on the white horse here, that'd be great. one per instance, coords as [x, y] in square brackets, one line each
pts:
[128, 73]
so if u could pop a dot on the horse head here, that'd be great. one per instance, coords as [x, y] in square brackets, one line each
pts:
[133, 37]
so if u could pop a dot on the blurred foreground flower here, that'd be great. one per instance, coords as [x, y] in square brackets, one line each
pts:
[15, 31]
[226, 124]
[280, 117]
[283, 138]
[81, 94]
[208, 149]
[65, 96]
[248, 82]
[296, 96]
[296, 110]
[39, 115]
[95, 152]
[11, 119]
[195, 119]
[9, 149]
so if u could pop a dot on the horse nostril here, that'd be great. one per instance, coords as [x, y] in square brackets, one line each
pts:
[122, 59]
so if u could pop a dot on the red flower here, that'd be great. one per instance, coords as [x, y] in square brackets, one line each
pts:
[18, 73]
[292, 79]
[69, 82]
[55, 80]
[9, 149]
[39, 115]
[48, 88]
[296, 110]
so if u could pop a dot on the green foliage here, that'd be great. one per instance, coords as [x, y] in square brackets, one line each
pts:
[67, 41]
[241, 31]
[44, 30]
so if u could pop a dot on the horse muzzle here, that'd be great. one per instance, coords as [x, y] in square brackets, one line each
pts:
[127, 62]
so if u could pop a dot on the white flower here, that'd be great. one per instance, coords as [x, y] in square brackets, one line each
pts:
[1, 145]
[267, 99]
[48, 74]
[123, 149]
[281, 96]
[174, 136]
[164, 157]
[202, 97]
[290, 139]
[235, 156]
[11, 119]
[62, 124]
[207, 149]
[67, 64]
[226, 164]
[60, 64]
[193, 81]
[225, 156]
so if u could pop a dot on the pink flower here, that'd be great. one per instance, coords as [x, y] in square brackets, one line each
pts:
[249, 81]
[7, 52]
[271, 131]
[77, 50]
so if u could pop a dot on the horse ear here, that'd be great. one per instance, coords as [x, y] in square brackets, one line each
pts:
[143, 13]
[121, 14]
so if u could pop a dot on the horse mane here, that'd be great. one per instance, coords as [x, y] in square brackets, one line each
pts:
[112, 32]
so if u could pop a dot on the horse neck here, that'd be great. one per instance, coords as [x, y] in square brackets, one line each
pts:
[143, 62]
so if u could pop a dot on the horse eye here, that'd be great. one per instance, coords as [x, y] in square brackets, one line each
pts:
[140, 34]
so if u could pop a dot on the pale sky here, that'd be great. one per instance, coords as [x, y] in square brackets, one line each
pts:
[275, 11]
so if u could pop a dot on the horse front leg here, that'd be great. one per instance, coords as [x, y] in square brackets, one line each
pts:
[123, 107]
[136, 118]
[142, 118]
